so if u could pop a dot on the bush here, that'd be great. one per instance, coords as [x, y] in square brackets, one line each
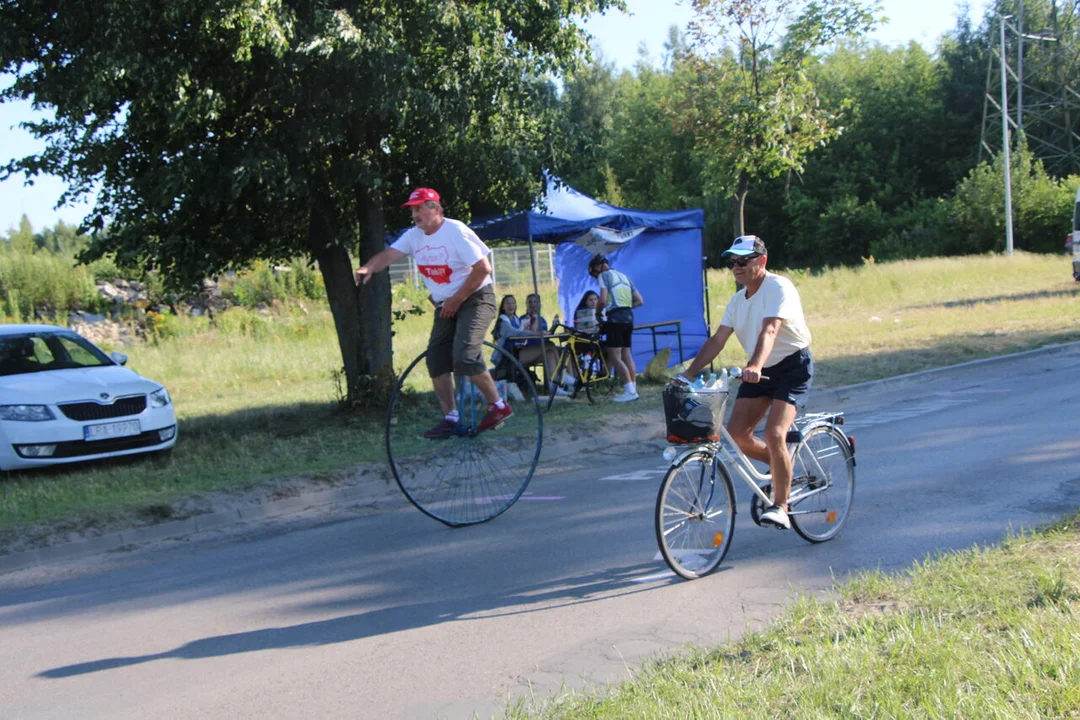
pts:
[33, 284]
[842, 234]
[264, 283]
[1042, 207]
[918, 230]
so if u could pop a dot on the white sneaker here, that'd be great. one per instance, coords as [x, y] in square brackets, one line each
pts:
[777, 517]
[559, 390]
[514, 392]
[625, 396]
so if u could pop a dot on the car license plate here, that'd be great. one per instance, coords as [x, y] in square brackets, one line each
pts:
[111, 430]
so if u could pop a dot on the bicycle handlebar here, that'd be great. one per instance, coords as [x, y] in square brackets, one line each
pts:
[734, 372]
[572, 331]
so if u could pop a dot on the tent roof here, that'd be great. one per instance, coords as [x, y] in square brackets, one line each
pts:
[568, 213]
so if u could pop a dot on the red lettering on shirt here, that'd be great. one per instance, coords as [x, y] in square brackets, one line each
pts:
[433, 263]
[436, 273]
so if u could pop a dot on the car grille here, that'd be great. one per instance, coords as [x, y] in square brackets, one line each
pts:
[96, 411]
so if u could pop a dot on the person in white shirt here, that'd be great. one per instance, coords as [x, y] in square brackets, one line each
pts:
[766, 316]
[457, 274]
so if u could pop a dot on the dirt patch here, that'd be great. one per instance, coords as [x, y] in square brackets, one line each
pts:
[99, 523]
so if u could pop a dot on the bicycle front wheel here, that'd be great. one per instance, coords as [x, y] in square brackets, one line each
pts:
[695, 515]
[823, 484]
[462, 475]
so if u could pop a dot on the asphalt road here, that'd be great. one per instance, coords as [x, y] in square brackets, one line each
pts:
[390, 615]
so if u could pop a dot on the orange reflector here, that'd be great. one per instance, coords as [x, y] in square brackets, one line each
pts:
[831, 517]
[718, 539]
[851, 439]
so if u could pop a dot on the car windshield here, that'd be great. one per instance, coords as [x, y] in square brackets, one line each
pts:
[37, 351]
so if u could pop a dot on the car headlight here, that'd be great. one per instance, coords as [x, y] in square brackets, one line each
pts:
[26, 413]
[159, 398]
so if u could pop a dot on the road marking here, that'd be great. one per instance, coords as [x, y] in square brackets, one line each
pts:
[636, 475]
[905, 412]
[488, 499]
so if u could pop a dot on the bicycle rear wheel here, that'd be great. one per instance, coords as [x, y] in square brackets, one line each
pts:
[600, 383]
[695, 515]
[823, 484]
[465, 477]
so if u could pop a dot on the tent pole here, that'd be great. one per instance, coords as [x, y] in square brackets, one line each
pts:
[532, 261]
[536, 290]
[708, 312]
[705, 283]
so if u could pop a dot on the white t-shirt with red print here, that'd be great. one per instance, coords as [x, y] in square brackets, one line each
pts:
[446, 257]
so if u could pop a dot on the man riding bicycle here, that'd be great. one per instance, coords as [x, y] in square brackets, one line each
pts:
[767, 318]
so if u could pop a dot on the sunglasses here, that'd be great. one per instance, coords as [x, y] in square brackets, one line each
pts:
[741, 262]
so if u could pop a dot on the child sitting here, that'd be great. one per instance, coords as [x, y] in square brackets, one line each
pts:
[585, 319]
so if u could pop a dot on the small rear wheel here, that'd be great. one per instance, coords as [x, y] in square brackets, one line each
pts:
[823, 484]
[695, 515]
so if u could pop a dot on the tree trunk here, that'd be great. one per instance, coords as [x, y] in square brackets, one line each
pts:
[361, 316]
[738, 211]
[376, 333]
[738, 205]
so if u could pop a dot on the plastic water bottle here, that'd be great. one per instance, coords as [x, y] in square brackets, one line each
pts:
[699, 383]
[712, 381]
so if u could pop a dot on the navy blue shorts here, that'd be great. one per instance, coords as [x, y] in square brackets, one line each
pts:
[789, 380]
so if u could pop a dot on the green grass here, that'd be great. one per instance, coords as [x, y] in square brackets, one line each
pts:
[930, 643]
[258, 404]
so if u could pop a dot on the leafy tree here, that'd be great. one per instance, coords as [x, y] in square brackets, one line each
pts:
[750, 102]
[62, 239]
[895, 150]
[22, 239]
[222, 131]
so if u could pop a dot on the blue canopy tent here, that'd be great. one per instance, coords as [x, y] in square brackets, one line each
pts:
[664, 261]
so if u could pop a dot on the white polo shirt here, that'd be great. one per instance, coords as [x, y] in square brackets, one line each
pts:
[445, 257]
[777, 297]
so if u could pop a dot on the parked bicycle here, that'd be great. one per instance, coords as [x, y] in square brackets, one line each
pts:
[581, 357]
[695, 507]
[469, 476]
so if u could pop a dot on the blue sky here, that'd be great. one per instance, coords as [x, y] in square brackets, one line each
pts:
[617, 35]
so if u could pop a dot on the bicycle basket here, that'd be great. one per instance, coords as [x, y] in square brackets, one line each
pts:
[693, 416]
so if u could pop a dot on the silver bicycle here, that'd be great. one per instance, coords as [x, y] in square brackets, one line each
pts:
[695, 507]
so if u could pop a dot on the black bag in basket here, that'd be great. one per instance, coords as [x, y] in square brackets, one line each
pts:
[690, 417]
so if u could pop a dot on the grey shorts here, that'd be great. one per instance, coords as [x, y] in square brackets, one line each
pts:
[457, 343]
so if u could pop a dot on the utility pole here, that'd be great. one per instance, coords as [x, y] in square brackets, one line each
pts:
[1005, 151]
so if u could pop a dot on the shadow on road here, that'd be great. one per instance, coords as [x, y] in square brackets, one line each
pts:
[586, 588]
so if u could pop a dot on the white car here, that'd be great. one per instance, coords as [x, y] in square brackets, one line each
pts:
[63, 400]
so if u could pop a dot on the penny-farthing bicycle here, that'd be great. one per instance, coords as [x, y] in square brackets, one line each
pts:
[466, 477]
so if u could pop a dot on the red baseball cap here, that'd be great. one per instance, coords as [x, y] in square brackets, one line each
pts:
[421, 195]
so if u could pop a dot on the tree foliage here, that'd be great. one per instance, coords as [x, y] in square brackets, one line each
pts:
[749, 99]
[221, 131]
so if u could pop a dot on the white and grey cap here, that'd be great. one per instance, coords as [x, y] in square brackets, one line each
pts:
[746, 245]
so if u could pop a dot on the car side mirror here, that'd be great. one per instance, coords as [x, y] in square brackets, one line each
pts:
[119, 358]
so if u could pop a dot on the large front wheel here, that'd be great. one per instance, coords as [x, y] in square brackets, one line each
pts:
[460, 474]
[695, 515]
[823, 484]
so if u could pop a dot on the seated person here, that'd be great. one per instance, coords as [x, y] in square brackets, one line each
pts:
[586, 318]
[534, 350]
[508, 325]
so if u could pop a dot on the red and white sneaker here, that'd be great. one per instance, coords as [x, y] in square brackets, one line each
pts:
[444, 429]
[495, 417]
